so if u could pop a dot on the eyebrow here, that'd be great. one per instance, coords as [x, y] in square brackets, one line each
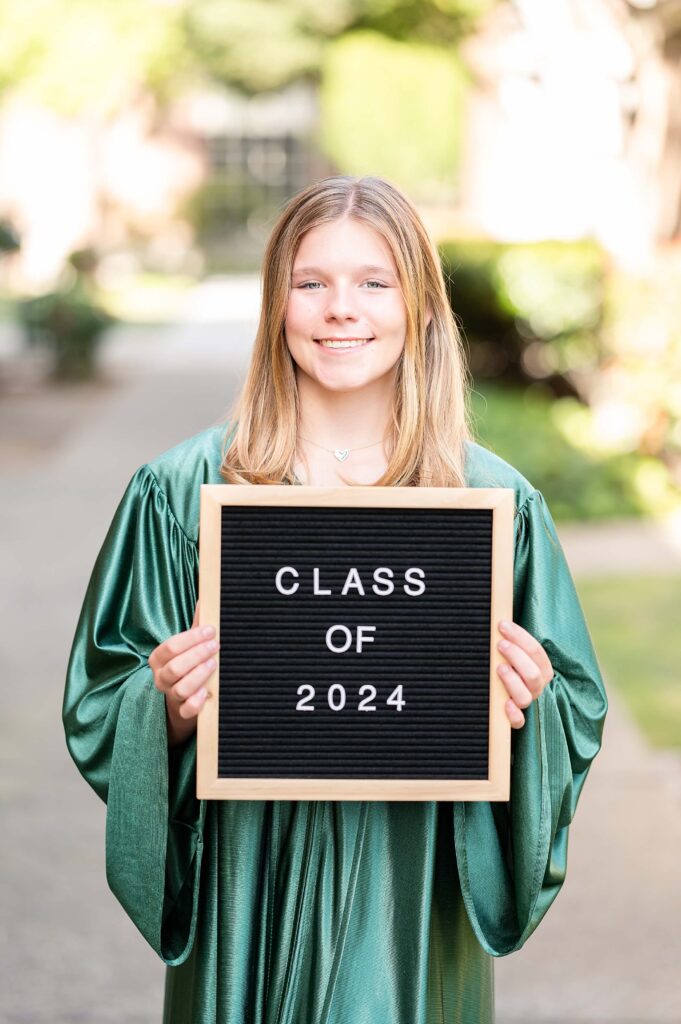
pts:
[367, 268]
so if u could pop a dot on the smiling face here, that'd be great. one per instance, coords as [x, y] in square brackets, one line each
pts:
[346, 319]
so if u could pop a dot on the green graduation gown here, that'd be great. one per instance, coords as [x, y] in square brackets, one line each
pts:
[318, 912]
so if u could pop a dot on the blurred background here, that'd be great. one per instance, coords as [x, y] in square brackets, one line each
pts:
[146, 147]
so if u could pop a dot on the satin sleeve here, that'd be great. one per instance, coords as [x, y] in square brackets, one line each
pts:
[512, 857]
[142, 591]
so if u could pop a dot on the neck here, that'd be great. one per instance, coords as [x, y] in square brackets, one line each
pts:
[345, 419]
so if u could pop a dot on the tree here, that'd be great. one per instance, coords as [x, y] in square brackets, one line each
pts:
[394, 108]
[73, 54]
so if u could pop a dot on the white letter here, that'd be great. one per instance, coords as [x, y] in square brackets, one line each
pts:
[294, 586]
[352, 580]
[366, 639]
[348, 639]
[380, 578]
[315, 577]
[420, 587]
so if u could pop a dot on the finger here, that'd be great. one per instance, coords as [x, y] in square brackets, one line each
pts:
[177, 668]
[512, 631]
[177, 644]
[191, 707]
[515, 715]
[190, 683]
[527, 669]
[517, 690]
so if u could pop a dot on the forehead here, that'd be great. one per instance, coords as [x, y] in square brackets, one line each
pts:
[342, 243]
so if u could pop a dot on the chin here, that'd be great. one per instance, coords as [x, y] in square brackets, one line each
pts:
[343, 384]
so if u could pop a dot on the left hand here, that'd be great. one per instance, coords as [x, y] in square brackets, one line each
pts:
[526, 671]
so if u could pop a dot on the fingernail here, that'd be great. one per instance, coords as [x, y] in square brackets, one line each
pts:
[208, 631]
[504, 624]
[209, 665]
[504, 645]
[212, 645]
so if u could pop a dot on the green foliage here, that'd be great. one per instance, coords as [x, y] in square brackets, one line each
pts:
[528, 429]
[559, 314]
[641, 373]
[255, 45]
[440, 22]
[555, 287]
[72, 55]
[530, 311]
[634, 625]
[67, 321]
[75, 55]
[290, 36]
[9, 239]
[393, 109]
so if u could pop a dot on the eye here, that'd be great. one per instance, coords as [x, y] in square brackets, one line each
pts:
[310, 285]
[378, 284]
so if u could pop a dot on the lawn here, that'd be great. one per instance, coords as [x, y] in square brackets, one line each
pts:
[634, 624]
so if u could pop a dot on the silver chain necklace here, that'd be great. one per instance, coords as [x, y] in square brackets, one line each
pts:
[342, 453]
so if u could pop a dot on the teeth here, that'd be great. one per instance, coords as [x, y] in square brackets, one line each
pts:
[329, 343]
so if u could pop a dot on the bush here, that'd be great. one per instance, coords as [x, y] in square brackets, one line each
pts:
[529, 312]
[9, 238]
[534, 432]
[560, 317]
[67, 321]
[394, 108]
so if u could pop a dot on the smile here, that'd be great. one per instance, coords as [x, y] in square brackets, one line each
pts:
[343, 342]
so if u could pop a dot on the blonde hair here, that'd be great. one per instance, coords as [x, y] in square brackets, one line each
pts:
[426, 439]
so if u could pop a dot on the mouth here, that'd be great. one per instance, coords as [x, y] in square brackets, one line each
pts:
[343, 343]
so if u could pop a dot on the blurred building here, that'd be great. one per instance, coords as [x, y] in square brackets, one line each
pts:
[200, 181]
[66, 183]
[258, 152]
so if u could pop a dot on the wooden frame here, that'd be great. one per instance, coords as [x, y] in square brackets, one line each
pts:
[499, 500]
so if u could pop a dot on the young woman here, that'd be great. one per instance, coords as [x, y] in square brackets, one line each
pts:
[327, 912]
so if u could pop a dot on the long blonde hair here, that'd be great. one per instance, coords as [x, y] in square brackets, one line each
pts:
[426, 439]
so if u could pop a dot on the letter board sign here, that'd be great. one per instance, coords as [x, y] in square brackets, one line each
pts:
[357, 630]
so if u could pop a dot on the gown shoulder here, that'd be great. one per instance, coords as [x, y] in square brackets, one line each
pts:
[180, 471]
[483, 468]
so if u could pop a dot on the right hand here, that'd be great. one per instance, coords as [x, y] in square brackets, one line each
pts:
[181, 666]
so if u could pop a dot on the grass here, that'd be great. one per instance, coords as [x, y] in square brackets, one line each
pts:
[634, 625]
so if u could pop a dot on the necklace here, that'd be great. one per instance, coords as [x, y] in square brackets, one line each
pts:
[342, 453]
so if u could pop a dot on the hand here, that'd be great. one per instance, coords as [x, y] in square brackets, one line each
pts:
[528, 670]
[181, 666]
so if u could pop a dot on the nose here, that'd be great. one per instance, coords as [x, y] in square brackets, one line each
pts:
[340, 305]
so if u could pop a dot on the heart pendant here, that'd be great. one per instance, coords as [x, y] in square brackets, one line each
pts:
[341, 455]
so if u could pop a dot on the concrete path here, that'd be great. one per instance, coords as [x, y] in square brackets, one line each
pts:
[609, 950]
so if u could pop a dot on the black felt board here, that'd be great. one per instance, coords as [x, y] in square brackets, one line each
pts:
[436, 645]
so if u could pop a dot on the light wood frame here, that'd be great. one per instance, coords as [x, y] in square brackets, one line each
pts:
[499, 500]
